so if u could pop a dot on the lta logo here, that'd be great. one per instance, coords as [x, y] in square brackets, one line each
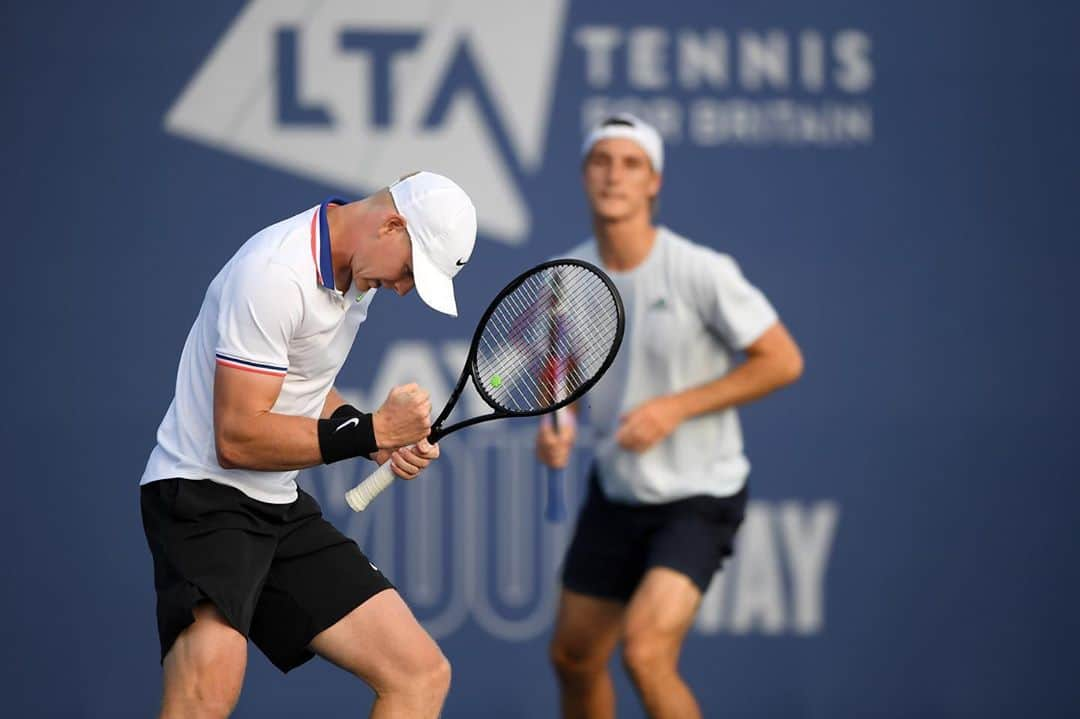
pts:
[353, 94]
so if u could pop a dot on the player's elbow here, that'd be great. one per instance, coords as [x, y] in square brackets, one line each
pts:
[786, 366]
[793, 366]
[229, 455]
[229, 447]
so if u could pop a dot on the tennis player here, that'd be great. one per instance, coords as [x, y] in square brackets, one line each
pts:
[668, 488]
[239, 550]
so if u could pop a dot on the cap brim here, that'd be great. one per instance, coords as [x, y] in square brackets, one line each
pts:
[434, 288]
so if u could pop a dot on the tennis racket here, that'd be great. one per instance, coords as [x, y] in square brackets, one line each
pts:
[515, 342]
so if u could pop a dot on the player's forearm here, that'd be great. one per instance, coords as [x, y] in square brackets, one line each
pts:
[269, 442]
[753, 379]
[333, 401]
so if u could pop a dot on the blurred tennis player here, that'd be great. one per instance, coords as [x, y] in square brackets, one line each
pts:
[668, 488]
[239, 550]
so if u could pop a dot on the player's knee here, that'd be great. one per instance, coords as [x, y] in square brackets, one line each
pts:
[575, 660]
[646, 656]
[430, 685]
[436, 677]
[427, 676]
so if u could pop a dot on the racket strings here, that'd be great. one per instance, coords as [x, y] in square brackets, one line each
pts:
[561, 352]
[596, 337]
[522, 389]
[545, 339]
[544, 391]
[594, 331]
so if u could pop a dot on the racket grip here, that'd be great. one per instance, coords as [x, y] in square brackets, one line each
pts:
[360, 496]
[556, 496]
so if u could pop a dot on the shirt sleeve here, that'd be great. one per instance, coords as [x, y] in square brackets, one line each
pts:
[260, 310]
[726, 300]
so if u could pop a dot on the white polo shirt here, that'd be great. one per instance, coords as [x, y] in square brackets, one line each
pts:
[689, 310]
[273, 309]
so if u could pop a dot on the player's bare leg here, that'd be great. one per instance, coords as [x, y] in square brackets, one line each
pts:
[659, 615]
[382, 643]
[204, 669]
[586, 631]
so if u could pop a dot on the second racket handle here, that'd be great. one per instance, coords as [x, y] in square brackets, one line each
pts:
[556, 496]
[555, 511]
[360, 496]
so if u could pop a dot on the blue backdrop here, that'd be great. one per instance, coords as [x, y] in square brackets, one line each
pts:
[900, 178]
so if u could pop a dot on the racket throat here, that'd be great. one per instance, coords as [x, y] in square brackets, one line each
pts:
[436, 433]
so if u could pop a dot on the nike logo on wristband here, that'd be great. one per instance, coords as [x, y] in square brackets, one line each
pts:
[346, 423]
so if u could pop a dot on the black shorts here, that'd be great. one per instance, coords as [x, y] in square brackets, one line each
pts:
[279, 573]
[614, 544]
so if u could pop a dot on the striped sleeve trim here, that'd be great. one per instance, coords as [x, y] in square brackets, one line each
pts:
[249, 366]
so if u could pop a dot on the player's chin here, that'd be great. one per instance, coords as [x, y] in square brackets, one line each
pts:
[612, 210]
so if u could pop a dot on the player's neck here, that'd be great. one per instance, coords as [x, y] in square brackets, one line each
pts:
[337, 220]
[625, 244]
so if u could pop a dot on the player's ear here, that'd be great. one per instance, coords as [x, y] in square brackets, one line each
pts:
[655, 183]
[392, 224]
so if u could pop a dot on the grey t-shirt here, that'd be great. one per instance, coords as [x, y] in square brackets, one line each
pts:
[688, 311]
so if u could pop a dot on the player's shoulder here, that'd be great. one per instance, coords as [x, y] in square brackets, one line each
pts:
[584, 251]
[281, 250]
[688, 255]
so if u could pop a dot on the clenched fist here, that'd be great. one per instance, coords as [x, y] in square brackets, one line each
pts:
[404, 418]
[649, 423]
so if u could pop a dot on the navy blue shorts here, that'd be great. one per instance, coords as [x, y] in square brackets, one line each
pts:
[614, 544]
[278, 573]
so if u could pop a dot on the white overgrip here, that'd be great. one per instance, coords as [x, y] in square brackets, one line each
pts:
[360, 496]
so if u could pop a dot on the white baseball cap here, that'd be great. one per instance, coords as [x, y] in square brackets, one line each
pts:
[630, 127]
[441, 221]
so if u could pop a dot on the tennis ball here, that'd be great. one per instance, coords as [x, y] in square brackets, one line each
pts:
[496, 380]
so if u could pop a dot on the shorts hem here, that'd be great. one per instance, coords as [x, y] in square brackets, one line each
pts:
[702, 585]
[611, 595]
[182, 615]
[304, 655]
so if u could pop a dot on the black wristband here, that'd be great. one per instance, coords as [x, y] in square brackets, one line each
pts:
[348, 433]
[345, 410]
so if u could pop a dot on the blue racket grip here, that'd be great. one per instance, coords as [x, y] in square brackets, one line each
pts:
[556, 496]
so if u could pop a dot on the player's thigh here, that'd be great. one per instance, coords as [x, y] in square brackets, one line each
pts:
[381, 642]
[208, 657]
[318, 578]
[662, 609]
[586, 628]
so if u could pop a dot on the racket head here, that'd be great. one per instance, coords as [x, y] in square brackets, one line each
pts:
[513, 345]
